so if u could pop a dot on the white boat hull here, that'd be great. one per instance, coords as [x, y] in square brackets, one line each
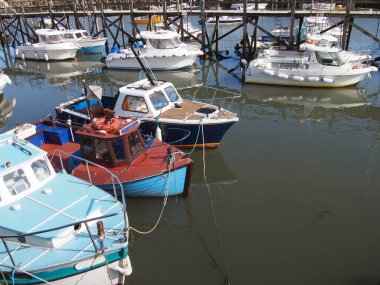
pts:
[41, 52]
[4, 80]
[120, 61]
[320, 79]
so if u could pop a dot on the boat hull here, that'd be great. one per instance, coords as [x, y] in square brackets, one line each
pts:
[4, 80]
[306, 80]
[165, 184]
[92, 46]
[30, 52]
[174, 133]
[155, 63]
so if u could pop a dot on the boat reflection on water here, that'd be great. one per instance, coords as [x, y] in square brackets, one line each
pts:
[315, 102]
[179, 78]
[217, 170]
[59, 72]
[6, 108]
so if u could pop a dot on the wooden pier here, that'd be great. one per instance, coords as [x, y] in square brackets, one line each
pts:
[20, 18]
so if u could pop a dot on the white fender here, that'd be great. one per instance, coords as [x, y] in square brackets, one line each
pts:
[23, 56]
[269, 72]
[36, 55]
[48, 66]
[46, 56]
[327, 80]
[282, 75]
[159, 133]
[313, 78]
[16, 51]
[298, 78]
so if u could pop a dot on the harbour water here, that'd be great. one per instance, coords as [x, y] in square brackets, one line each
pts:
[290, 197]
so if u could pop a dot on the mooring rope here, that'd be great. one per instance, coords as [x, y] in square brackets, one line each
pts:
[227, 280]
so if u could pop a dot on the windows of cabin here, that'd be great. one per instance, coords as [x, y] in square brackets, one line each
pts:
[85, 34]
[101, 150]
[158, 100]
[134, 104]
[41, 169]
[16, 181]
[172, 94]
[78, 35]
[119, 149]
[329, 58]
[51, 39]
[68, 36]
[135, 143]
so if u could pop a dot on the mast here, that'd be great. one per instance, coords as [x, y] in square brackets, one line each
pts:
[147, 73]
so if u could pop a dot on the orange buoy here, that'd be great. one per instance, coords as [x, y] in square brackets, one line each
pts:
[101, 124]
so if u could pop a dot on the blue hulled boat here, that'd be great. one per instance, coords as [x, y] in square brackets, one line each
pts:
[56, 228]
[181, 122]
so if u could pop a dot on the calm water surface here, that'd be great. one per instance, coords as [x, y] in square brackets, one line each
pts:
[293, 191]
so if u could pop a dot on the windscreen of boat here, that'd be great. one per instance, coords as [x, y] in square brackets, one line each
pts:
[51, 39]
[135, 144]
[78, 35]
[172, 94]
[165, 43]
[16, 181]
[41, 169]
[329, 58]
[158, 100]
[134, 104]
[85, 34]
[68, 36]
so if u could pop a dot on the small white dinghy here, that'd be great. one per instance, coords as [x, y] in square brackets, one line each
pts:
[51, 46]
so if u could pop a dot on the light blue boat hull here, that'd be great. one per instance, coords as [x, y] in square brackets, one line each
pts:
[93, 49]
[156, 186]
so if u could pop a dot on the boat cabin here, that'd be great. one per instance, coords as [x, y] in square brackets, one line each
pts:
[117, 142]
[49, 36]
[161, 39]
[24, 168]
[325, 55]
[141, 99]
[75, 35]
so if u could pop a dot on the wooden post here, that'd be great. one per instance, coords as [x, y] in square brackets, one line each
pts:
[203, 24]
[165, 16]
[346, 24]
[245, 36]
[300, 23]
[217, 36]
[291, 31]
[132, 20]
[104, 27]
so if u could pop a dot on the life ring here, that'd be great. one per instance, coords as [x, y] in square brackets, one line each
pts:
[101, 124]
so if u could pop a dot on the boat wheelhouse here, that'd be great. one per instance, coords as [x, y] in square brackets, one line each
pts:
[163, 50]
[58, 229]
[51, 46]
[145, 167]
[87, 43]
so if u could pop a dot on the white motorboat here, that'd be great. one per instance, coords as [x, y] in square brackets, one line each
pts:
[4, 80]
[86, 43]
[225, 20]
[51, 46]
[318, 66]
[163, 50]
[191, 30]
[250, 6]
[316, 24]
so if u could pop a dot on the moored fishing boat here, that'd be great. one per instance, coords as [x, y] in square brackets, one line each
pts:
[225, 20]
[146, 168]
[318, 66]
[182, 122]
[163, 50]
[58, 229]
[86, 43]
[51, 46]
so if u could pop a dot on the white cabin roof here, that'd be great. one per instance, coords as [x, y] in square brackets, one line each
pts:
[158, 35]
[48, 32]
[142, 87]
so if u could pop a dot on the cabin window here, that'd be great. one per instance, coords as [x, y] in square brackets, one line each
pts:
[41, 169]
[134, 104]
[85, 34]
[87, 147]
[51, 39]
[68, 36]
[119, 149]
[78, 35]
[135, 143]
[16, 182]
[101, 150]
[158, 100]
[172, 94]
[329, 58]
[165, 43]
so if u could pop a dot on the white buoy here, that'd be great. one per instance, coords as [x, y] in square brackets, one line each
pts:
[17, 51]
[158, 133]
[327, 80]
[313, 79]
[36, 55]
[282, 75]
[269, 72]
[298, 78]
[23, 56]
[46, 56]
